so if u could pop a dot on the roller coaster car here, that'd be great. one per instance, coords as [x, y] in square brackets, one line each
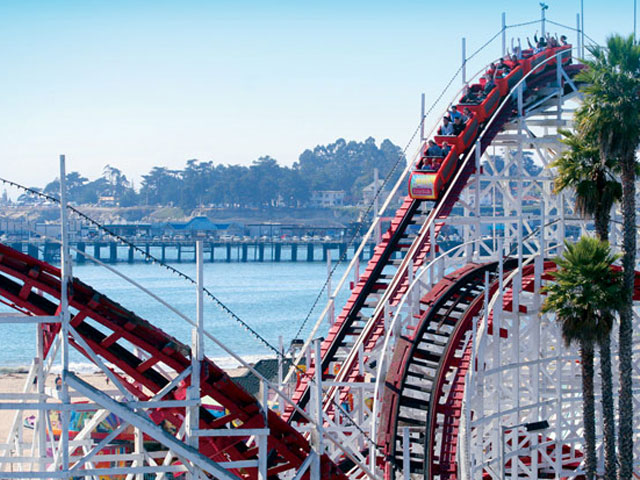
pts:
[507, 82]
[531, 60]
[565, 55]
[482, 111]
[424, 185]
[464, 139]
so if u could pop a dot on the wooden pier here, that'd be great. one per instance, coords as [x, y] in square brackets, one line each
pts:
[183, 251]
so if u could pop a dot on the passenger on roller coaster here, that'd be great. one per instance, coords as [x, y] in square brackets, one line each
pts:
[434, 149]
[541, 43]
[466, 115]
[454, 113]
[446, 148]
[427, 165]
[517, 51]
[458, 126]
[446, 128]
[488, 85]
[503, 66]
[470, 96]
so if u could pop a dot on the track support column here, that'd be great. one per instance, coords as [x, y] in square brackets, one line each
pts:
[422, 117]
[464, 60]
[504, 34]
[197, 355]
[65, 275]
[262, 438]
[317, 410]
[332, 311]
[376, 207]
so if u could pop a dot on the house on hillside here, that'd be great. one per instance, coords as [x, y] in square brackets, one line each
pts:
[369, 192]
[327, 198]
[107, 201]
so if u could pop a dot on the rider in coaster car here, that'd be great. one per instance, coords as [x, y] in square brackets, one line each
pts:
[446, 128]
[489, 85]
[427, 165]
[503, 66]
[541, 43]
[434, 149]
[453, 113]
[458, 126]
[470, 96]
[466, 115]
[446, 148]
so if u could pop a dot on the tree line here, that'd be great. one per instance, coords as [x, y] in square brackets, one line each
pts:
[341, 165]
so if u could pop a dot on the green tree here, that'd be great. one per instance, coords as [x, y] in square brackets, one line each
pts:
[117, 181]
[76, 184]
[585, 295]
[580, 169]
[160, 186]
[609, 117]
[349, 166]
[197, 179]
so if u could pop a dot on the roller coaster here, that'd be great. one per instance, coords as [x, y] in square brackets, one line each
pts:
[438, 366]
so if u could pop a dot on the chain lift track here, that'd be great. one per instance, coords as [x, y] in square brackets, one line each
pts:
[397, 258]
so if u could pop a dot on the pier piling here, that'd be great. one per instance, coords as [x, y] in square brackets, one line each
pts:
[80, 259]
[113, 252]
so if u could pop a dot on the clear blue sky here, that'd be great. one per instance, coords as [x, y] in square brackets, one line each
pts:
[141, 83]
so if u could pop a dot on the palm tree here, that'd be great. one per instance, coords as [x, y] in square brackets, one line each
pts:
[585, 296]
[610, 118]
[580, 168]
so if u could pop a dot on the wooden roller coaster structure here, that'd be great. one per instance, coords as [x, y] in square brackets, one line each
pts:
[416, 369]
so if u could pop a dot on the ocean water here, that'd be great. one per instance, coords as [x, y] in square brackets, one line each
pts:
[273, 298]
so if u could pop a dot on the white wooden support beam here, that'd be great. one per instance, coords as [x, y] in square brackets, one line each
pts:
[147, 426]
[305, 465]
[20, 318]
[317, 407]
[65, 278]
[262, 437]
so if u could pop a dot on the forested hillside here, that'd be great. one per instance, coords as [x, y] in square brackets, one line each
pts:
[341, 165]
